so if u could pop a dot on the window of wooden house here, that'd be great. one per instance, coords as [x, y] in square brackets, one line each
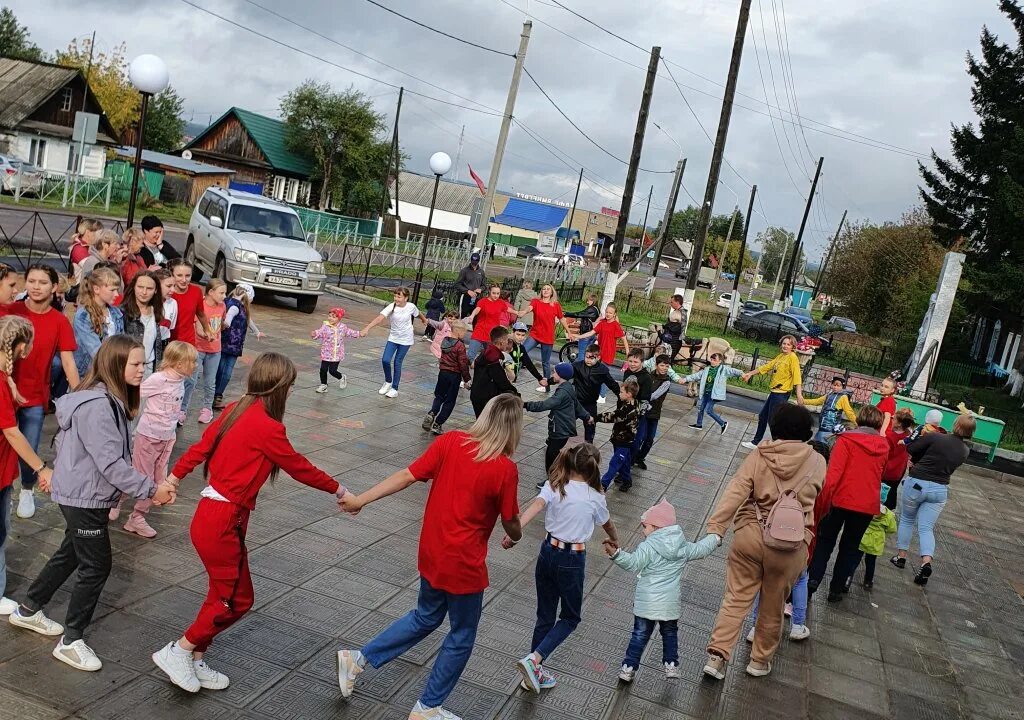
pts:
[66, 100]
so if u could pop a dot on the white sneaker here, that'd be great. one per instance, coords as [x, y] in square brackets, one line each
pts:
[541, 388]
[36, 623]
[462, 385]
[78, 655]
[748, 445]
[799, 632]
[626, 673]
[384, 388]
[26, 504]
[321, 388]
[392, 393]
[343, 382]
[671, 671]
[750, 635]
[179, 666]
[350, 664]
[436, 713]
[209, 679]
[601, 400]
[7, 606]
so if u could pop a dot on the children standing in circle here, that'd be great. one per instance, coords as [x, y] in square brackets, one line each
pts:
[189, 299]
[15, 345]
[400, 313]
[332, 336]
[235, 470]
[237, 324]
[96, 318]
[143, 310]
[154, 435]
[208, 343]
[546, 312]
[573, 502]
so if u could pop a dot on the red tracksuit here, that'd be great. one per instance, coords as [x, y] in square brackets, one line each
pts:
[247, 453]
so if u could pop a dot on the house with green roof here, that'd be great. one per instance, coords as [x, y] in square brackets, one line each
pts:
[254, 147]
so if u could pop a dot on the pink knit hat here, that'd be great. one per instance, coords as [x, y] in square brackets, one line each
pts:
[661, 515]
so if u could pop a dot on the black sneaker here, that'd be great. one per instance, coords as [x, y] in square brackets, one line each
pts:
[640, 464]
[898, 562]
[923, 574]
[834, 597]
[724, 426]
[624, 487]
[695, 426]
[868, 584]
[436, 429]
[428, 421]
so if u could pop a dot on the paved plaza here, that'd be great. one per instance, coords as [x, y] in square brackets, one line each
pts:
[325, 580]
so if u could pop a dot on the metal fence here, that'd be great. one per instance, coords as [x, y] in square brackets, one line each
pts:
[27, 236]
[62, 189]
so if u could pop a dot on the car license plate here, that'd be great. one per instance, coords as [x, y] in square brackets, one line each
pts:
[283, 281]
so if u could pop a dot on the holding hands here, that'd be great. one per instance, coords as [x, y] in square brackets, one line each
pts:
[610, 547]
[746, 376]
[508, 543]
[350, 503]
[166, 493]
[44, 478]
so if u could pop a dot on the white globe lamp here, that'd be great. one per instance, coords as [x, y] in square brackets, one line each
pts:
[148, 74]
[440, 163]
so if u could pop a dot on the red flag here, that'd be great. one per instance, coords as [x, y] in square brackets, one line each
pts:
[478, 181]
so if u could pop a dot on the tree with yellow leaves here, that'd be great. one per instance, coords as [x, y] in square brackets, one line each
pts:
[108, 78]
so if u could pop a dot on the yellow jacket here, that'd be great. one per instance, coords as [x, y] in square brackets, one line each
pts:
[843, 405]
[785, 370]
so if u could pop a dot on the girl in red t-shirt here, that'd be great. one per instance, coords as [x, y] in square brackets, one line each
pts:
[887, 403]
[546, 312]
[189, 301]
[487, 315]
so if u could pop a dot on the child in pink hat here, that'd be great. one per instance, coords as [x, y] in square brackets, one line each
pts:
[658, 562]
[332, 336]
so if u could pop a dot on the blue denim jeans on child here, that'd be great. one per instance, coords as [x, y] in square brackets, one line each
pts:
[224, 372]
[559, 581]
[923, 501]
[463, 613]
[190, 385]
[648, 443]
[582, 345]
[474, 348]
[545, 354]
[210, 362]
[707, 405]
[393, 352]
[799, 595]
[619, 465]
[30, 422]
[642, 631]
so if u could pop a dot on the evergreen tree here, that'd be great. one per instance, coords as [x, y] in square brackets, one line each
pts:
[14, 38]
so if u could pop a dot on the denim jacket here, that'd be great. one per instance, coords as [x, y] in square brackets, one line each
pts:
[86, 338]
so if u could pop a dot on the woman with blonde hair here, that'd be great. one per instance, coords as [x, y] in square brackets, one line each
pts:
[81, 243]
[96, 318]
[546, 312]
[132, 264]
[104, 248]
[785, 379]
[474, 482]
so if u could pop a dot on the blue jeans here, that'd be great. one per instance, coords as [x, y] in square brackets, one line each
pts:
[396, 352]
[923, 501]
[474, 348]
[619, 465]
[190, 385]
[799, 595]
[767, 410]
[30, 422]
[642, 631]
[821, 436]
[641, 435]
[446, 393]
[210, 362]
[545, 353]
[648, 443]
[583, 344]
[432, 605]
[559, 581]
[224, 373]
[707, 405]
[58, 380]
[5, 525]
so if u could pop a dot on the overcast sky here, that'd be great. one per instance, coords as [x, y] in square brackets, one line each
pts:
[889, 71]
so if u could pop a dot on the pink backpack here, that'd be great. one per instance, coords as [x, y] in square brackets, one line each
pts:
[783, 528]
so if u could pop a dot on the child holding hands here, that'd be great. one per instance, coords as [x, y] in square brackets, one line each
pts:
[332, 336]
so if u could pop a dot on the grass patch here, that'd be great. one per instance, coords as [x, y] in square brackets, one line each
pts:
[168, 213]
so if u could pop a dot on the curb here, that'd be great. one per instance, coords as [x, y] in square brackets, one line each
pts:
[353, 295]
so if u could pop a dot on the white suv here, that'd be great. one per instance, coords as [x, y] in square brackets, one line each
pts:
[241, 237]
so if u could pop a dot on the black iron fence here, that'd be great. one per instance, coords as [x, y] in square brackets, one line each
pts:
[28, 236]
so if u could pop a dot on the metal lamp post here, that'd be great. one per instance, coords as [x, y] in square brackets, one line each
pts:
[148, 74]
[440, 163]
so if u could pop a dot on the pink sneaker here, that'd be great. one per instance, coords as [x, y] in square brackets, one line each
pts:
[205, 416]
[114, 513]
[137, 524]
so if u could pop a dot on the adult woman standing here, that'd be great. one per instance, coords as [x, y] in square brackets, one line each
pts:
[154, 250]
[785, 370]
[32, 375]
[81, 243]
[935, 458]
[133, 263]
[143, 311]
[783, 465]
[400, 313]
[105, 248]
[546, 312]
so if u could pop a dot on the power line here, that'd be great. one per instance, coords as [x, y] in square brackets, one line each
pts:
[440, 32]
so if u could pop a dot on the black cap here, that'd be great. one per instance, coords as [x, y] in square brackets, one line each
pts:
[475, 257]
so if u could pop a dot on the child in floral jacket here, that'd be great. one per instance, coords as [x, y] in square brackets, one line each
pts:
[332, 336]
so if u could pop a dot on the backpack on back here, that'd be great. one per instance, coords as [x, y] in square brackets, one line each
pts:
[783, 528]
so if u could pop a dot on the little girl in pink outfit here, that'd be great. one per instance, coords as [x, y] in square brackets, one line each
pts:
[443, 329]
[154, 437]
[332, 336]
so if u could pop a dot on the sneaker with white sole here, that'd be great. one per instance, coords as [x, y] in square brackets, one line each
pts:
[758, 669]
[343, 382]
[626, 673]
[36, 623]
[547, 680]
[428, 421]
[321, 388]
[392, 393]
[138, 525]
[672, 671]
[725, 426]
[205, 416]
[7, 606]
[179, 666]
[419, 712]
[26, 504]
[715, 666]
[529, 668]
[750, 635]
[384, 388]
[350, 664]
[541, 388]
[799, 632]
[78, 655]
[748, 445]
[209, 679]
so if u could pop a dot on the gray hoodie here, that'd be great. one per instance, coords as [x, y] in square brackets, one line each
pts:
[94, 452]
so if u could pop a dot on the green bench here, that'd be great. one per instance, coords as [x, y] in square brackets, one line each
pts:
[989, 430]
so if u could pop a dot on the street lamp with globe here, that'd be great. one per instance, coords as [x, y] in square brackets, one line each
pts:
[440, 164]
[148, 75]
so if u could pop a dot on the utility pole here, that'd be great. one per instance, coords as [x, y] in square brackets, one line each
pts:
[572, 212]
[728, 237]
[499, 149]
[734, 304]
[819, 283]
[670, 209]
[458, 155]
[778, 273]
[614, 264]
[787, 286]
[385, 199]
[716, 161]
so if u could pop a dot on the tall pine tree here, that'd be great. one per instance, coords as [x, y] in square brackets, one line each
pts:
[978, 195]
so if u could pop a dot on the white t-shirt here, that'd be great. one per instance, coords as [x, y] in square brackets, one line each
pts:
[171, 316]
[148, 338]
[572, 518]
[401, 323]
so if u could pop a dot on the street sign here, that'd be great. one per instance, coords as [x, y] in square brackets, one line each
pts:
[86, 126]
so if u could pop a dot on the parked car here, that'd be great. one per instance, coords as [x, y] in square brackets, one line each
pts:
[724, 300]
[845, 324]
[238, 236]
[526, 251]
[769, 325]
[753, 306]
[801, 314]
[553, 259]
[31, 180]
[728, 276]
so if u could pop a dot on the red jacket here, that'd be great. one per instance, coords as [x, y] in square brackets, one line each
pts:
[454, 358]
[241, 465]
[896, 465]
[132, 266]
[854, 477]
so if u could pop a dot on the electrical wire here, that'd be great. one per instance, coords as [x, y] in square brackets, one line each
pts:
[440, 32]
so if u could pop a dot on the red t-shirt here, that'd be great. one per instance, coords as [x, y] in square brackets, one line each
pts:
[79, 252]
[466, 497]
[188, 302]
[544, 317]
[53, 334]
[488, 318]
[887, 405]
[8, 458]
[607, 334]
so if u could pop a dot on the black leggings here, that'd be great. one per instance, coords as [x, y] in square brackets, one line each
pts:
[852, 525]
[328, 367]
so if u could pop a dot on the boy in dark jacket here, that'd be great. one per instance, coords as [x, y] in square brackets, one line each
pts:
[661, 383]
[454, 368]
[435, 309]
[635, 369]
[625, 416]
[521, 358]
[489, 377]
[565, 408]
[589, 375]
